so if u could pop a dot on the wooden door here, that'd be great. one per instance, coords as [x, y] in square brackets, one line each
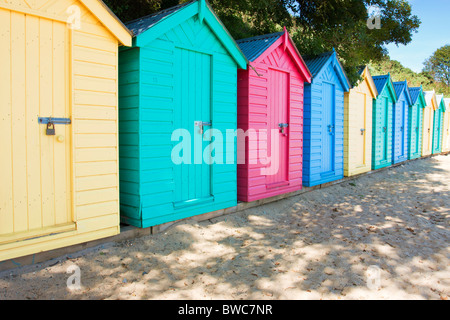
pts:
[359, 129]
[384, 128]
[278, 124]
[328, 128]
[35, 193]
[416, 129]
[193, 106]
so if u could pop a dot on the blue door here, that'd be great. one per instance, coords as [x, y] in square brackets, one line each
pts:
[384, 129]
[328, 128]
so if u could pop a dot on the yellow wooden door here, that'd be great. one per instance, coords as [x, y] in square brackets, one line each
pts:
[35, 169]
[359, 130]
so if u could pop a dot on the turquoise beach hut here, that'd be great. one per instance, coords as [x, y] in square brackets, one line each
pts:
[177, 82]
[382, 127]
[323, 135]
[415, 122]
[438, 124]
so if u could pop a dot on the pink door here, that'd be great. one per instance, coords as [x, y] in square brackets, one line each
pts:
[278, 125]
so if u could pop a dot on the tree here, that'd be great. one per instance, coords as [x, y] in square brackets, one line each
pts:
[316, 25]
[438, 65]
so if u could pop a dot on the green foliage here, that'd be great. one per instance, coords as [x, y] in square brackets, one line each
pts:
[316, 26]
[438, 65]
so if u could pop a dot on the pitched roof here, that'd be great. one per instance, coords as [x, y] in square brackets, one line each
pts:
[429, 97]
[316, 65]
[447, 104]
[141, 25]
[440, 100]
[148, 28]
[415, 93]
[402, 86]
[380, 81]
[255, 46]
[101, 11]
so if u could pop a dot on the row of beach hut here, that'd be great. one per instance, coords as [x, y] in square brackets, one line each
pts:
[89, 111]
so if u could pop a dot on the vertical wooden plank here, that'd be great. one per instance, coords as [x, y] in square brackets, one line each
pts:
[46, 110]
[59, 110]
[6, 196]
[18, 122]
[32, 110]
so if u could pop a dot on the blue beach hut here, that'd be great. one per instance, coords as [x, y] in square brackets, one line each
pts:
[177, 82]
[400, 122]
[323, 140]
[415, 122]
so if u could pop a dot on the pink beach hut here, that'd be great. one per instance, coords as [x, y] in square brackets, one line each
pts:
[270, 114]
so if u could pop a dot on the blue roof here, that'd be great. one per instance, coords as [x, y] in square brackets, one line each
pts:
[141, 25]
[316, 64]
[380, 82]
[256, 46]
[401, 86]
[415, 93]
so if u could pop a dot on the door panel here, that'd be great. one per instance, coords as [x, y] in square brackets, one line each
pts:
[360, 123]
[278, 114]
[193, 104]
[328, 128]
[384, 128]
[35, 194]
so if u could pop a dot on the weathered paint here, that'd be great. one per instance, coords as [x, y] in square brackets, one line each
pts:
[180, 70]
[382, 122]
[428, 122]
[400, 122]
[438, 124]
[415, 123]
[358, 125]
[270, 93]
[323, 157]
[446, 127]
[58, 190]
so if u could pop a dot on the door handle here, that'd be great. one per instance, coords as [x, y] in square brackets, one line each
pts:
[363, 131]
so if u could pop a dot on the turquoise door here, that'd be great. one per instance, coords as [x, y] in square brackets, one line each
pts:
[328, 129]
[192, 113]
[384, 129]
[416, 129]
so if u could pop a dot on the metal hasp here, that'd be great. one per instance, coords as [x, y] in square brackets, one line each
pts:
[282, 126]
[202, 124]
[43, 120]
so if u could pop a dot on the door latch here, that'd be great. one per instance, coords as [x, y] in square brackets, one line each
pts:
[363, 131]
[202, 124]
[282, 126]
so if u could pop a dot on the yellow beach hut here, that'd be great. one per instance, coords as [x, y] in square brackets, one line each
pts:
[428, 118]
[446, 128]
[358, 125]
[58, 124]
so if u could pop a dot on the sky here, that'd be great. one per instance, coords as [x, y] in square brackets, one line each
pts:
[433, 33]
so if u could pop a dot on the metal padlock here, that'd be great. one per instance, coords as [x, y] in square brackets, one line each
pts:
[50, 129]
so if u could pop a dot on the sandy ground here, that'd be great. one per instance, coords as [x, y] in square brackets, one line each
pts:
[382, 236]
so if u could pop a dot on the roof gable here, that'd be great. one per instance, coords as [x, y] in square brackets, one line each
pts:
[254, 47]
[384, 82]
[447, 104]
[402, 88]
[367, 77]
[150, 27]
[318, 64]
[440, 102]
[258, 48]
[417, 96]
[430, 98]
